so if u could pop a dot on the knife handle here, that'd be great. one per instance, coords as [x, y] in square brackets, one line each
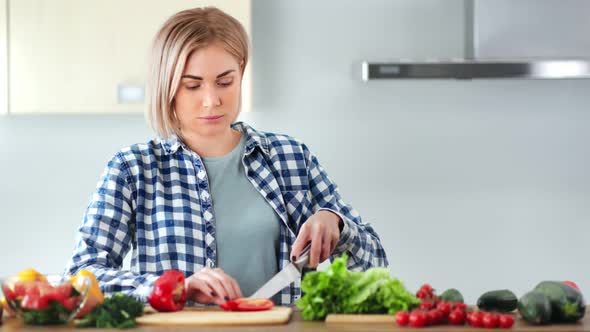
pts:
[303, 259]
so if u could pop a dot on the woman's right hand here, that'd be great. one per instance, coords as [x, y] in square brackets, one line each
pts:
[212, 286]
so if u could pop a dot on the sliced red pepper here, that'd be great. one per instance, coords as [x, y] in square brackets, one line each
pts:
[245, 304]
[169, 293]
[230, 305]
[255, 305]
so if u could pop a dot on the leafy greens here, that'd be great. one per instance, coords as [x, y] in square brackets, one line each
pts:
[338, 290]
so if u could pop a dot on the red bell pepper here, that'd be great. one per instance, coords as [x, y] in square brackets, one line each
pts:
[169, 293]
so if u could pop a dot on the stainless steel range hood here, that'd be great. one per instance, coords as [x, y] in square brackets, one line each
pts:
[484, 62]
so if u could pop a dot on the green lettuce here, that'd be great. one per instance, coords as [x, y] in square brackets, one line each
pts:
[338, 290]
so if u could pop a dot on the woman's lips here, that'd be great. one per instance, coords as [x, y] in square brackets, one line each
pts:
[210, 118]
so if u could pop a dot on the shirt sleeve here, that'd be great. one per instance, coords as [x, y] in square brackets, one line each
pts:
[357, 239]
[107, 233]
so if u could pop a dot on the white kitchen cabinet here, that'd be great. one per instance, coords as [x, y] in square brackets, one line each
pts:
[72, 56]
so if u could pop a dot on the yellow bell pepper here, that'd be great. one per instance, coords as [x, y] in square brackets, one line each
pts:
[28, 275]
[95, 295]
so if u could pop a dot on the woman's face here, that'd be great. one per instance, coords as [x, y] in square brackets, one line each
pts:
[207, 101]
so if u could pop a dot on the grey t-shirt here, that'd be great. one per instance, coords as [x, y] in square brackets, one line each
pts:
[247, 227]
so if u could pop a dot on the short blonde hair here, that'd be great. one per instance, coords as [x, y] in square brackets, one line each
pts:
[181, 34]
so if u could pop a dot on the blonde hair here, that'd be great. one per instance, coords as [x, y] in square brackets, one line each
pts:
[181, 34]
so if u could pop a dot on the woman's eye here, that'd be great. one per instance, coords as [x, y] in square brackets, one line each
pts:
[225, 83]
[192, 87]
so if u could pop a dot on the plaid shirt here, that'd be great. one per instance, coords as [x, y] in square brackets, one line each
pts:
[155, 198]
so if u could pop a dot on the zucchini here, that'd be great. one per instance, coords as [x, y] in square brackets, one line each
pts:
[535, 308]
[567, 303]
[452, 295]
[501, 300]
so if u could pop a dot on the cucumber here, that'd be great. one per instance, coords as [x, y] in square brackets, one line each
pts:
[535, 307]
[501, 300]
[452, 295]
[567, 303]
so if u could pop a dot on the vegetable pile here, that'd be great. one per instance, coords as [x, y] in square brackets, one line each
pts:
[338, 290]
[553, 301]
[450, 309]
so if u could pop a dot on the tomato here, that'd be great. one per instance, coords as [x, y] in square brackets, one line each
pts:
[426, 305]
[23, 287]
[439, 316]
[430, 317]
[421, 294]
[34, 302]
[474, 318]
[9, 293]
[62, 292]
[417, 318]
[402, 318]
[506, 321]
[460, 306]
[490, 320]
[571, 283]
[444, 307]
[255, 304]
[70, 303]
[427, 288]
[457, 317]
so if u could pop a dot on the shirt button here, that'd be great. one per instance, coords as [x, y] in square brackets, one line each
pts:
[210, 263]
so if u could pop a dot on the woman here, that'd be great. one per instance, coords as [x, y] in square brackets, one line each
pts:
[225, 204]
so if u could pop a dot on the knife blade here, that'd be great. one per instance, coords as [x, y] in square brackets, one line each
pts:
[283, 278]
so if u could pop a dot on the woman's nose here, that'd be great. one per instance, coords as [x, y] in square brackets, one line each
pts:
[211, 98]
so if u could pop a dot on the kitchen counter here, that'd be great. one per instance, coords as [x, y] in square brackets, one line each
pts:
[297, 324]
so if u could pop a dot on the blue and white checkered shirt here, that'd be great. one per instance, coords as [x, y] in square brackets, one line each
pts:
[155, 198]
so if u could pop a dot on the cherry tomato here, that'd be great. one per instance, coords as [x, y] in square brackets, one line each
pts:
[417, 318]
[421, 294]
[460, 306]
[490, 320]
[444, 307]
[430, 317]
[474, 318]
[427, 288]
[439, 316]
[402, 318]
[506, 321]
[457, 317]
[571, 283]
[426, 305]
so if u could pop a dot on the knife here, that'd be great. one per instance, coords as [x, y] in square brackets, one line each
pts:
[284, 277]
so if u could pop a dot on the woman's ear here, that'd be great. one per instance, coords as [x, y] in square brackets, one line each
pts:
[242, 67]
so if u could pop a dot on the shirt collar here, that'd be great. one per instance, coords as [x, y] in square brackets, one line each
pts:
[254, 139]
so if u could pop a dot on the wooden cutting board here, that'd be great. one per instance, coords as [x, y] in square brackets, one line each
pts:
[215, 316]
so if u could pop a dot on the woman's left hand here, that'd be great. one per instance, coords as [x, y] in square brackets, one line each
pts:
[323, 231]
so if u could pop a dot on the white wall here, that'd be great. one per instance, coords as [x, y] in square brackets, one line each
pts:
[477, 185]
